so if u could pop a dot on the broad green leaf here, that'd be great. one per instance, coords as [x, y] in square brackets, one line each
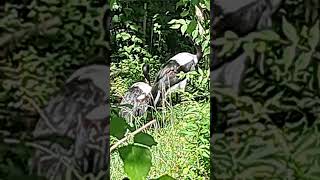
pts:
[118, 126]
[145, 139]
[194, 2]
[314, 36]
[136, 160]
[191, 26]
[290, 31]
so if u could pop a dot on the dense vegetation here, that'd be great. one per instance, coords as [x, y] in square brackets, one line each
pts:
[177, 145]
[42, 43]
[277, 135]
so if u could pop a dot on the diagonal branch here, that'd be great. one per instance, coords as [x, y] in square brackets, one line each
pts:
[113, 147]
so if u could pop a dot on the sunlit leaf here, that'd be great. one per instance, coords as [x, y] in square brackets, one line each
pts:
[145, 139]
[136, 160]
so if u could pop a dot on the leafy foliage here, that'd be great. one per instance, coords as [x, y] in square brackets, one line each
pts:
[142, 34]
[42, 43]
[275, 135]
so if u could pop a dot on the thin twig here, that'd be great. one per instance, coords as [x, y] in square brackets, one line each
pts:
[132, 134]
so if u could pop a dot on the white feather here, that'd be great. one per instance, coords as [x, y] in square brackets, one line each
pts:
[98, 74]
[141, 97]
[184, 58]
[146, 88]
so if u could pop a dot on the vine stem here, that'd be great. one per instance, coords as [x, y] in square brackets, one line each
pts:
[113, 147]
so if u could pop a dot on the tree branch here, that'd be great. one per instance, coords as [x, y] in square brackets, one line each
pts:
[113, 147]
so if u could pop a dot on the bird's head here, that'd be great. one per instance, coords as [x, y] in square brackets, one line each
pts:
[146, 70]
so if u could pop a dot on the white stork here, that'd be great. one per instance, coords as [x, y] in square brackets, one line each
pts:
[167, 79]
[138, 97]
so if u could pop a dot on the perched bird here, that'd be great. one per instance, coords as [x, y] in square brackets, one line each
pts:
[167, 79]
[79, 116]
[136, 100]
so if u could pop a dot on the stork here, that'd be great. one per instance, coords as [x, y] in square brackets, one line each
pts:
[78, 113]
[138, 97]
[167, 79]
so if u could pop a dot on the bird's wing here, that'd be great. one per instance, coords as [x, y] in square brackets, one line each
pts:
[169, 68]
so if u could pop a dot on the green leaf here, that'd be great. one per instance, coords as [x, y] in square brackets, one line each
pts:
[268, 35]
[181, 21]
[145, 139]
[124, 36]
[136, 160]
[195, 33]
[289, 54]
[184, 13]
[184, 28]
[172, 21]
[118, 126]
[303, 61]
[191, 26]
[175, 26]
[111, 2]
[194, 2]
[314, 36]
[290, 31]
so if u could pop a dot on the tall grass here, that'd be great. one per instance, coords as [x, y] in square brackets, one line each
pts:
[183, 142]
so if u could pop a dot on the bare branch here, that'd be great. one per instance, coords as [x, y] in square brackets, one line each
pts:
[131, 134]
